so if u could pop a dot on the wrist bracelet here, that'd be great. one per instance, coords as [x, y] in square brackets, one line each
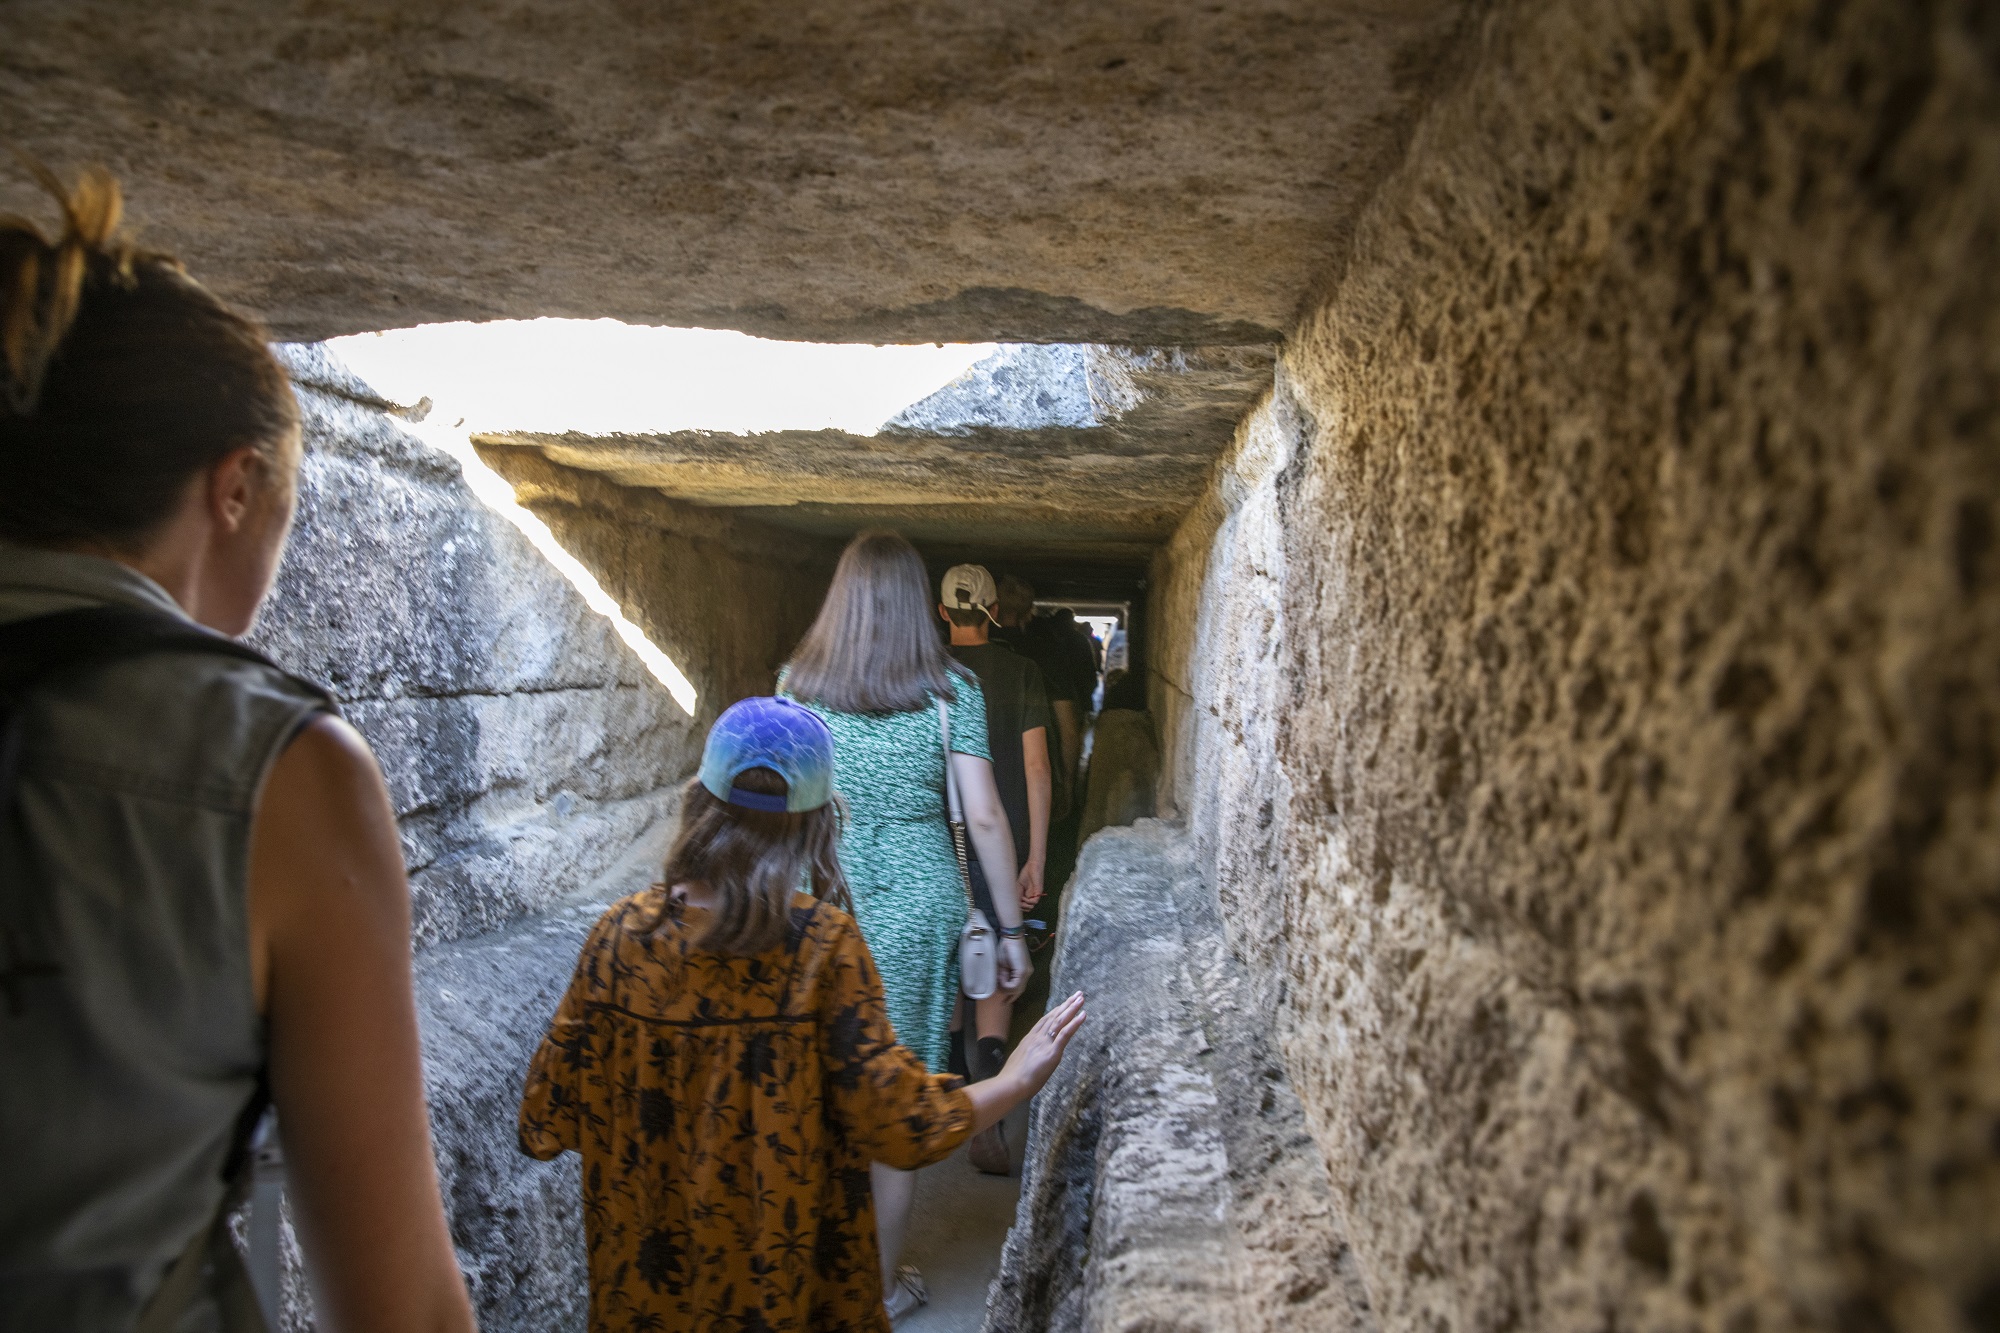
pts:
[1012, 932]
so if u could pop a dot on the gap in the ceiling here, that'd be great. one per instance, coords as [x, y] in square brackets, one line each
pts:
[603, 377]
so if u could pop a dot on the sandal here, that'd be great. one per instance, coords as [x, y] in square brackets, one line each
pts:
[909, 1293]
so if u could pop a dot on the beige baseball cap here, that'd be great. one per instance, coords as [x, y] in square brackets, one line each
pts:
[969, 587]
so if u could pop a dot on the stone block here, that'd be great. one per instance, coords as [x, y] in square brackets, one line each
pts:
[1169, 1182]
[524, 746]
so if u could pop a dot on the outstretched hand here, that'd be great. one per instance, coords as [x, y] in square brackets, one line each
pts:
[1029, 1067]
[1042, 1049]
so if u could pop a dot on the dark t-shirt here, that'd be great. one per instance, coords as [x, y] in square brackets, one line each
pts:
[1016, 701]
[1064, 662]
[1083, 660]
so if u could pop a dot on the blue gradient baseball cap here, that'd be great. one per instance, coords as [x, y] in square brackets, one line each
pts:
[763, 732]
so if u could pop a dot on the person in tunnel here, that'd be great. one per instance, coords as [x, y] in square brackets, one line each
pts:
[724, 1062]
[1028, 634]
[873, 668]
[1017, 732]
[1077, 654]
[203, 907]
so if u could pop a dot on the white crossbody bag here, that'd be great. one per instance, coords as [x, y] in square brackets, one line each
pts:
[978, 959]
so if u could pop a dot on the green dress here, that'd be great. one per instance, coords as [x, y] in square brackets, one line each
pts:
[895, 850]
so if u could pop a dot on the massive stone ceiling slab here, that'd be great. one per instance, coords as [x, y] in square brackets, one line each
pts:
[1148, 172]
[1050, 454]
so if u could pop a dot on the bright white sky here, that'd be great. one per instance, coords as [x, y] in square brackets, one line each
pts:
[599, 376]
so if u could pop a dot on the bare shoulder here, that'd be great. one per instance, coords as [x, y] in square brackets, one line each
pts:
[327, 753]
[324, 816]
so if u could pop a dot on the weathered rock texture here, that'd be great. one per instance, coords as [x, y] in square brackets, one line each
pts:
[1124, 777]
[1147, 173]
[532, 760]
[525, 747]
[1170, 1183]
[1584, 671]
[1043, 456]
[730, 595]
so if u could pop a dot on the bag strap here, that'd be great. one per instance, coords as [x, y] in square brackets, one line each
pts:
[955, 814]
[955, 811]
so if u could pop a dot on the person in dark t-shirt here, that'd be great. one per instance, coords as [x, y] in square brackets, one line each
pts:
[1018, 722]
[1029, 635]
[1078, 649]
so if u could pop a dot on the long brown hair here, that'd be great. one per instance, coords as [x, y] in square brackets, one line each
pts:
[753, 861]
[121, 378]
[875, 647]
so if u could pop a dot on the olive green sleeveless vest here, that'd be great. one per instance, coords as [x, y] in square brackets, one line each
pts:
[129, 1039]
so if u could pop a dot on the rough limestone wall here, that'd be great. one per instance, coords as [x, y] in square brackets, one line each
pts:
[1169, 1183]
[729, 594]
[532, 760]
[1637, 730]
[525, 747]
[1218, 683]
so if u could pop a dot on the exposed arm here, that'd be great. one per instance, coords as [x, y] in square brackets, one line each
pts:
[1029, 1067]
[1035, 758]
[330, 949]
[986, 823]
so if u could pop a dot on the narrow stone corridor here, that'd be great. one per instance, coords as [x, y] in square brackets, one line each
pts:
[1548, 452]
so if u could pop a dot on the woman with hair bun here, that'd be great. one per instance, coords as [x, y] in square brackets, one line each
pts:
[202, 895]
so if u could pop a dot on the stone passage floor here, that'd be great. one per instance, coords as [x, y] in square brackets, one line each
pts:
[956, 1232]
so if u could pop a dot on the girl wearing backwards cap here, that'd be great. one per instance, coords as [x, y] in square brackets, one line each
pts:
[724, 1063]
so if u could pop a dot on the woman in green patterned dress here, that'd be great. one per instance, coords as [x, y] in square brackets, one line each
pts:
[873, 667]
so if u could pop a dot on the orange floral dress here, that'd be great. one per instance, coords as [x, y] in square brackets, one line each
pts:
[727, 1110]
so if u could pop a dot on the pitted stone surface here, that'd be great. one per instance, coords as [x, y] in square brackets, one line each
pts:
[1149, 173]
[1029, 386]
[1169, 1182]
[1585, 678]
